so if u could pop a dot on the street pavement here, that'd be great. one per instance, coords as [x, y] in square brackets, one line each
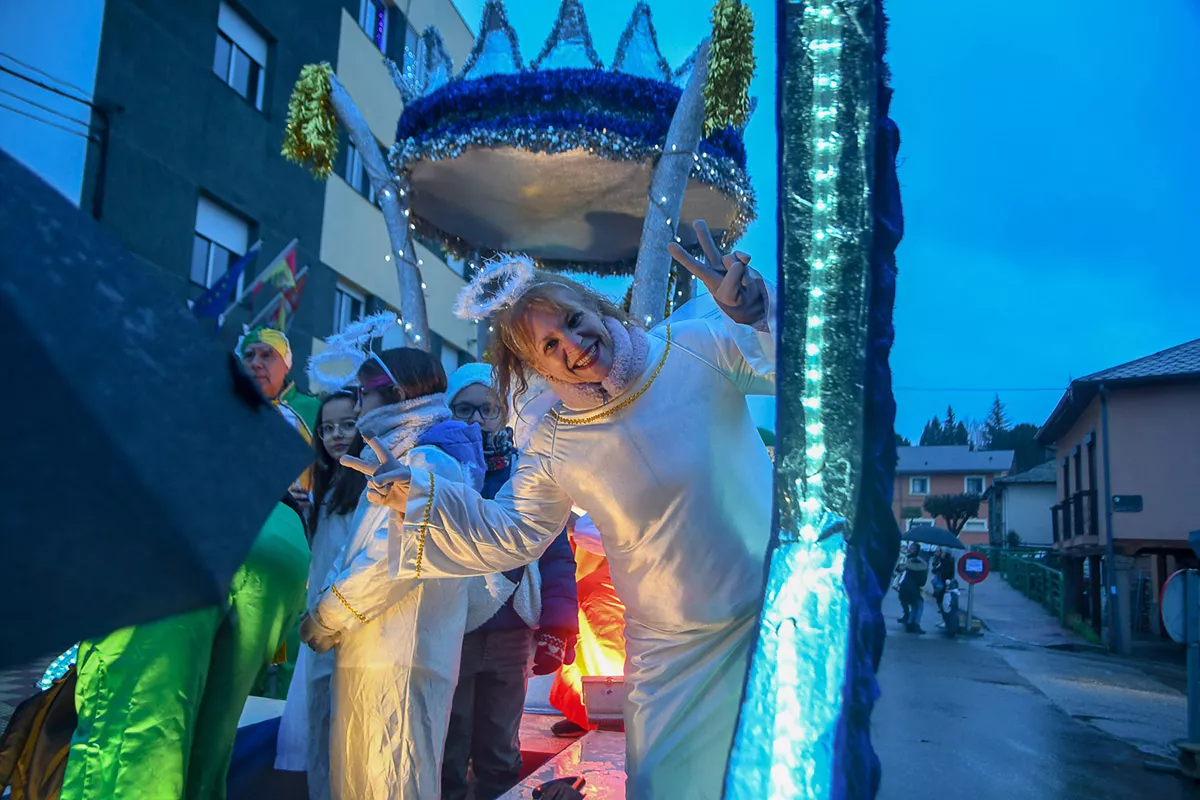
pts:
[1009, 715]
[989, 717]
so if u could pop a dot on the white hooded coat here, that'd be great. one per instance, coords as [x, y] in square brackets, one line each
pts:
[397, 662]
[683, 505]
[303, 744]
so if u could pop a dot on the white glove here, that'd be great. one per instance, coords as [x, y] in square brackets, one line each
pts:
[317, 635]
[387, 483]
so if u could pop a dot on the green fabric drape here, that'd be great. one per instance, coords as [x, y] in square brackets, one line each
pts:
[159, 703]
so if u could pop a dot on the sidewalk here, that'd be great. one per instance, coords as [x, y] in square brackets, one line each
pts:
[1010, 614]
[1115, 695]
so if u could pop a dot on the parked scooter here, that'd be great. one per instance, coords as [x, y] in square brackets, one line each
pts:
[949, 608]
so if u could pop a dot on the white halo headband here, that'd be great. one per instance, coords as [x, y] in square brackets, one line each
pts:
[337, 365]
[497, 285]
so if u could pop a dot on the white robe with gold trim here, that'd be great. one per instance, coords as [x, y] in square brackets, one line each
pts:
[678, 483]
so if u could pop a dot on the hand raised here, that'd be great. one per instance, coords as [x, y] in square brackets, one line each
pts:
[737, 289]
[387, 483]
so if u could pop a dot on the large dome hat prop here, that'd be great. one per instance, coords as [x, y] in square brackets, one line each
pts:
[581, 167]
[572, 163]
[556, 160]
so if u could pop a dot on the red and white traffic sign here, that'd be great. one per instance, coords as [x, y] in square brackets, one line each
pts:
[973, 567]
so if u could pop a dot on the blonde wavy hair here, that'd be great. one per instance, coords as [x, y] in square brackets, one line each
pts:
[511, 349]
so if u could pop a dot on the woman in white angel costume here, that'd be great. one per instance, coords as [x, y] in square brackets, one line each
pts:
[652, 435]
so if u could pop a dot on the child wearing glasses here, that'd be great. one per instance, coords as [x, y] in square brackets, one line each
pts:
[396, 643]
[531, 609]
[304, 729]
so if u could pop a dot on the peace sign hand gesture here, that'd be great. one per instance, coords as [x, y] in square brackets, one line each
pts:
[387, 483]
[738, 290]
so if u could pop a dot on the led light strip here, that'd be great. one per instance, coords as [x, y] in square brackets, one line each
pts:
[786, 736]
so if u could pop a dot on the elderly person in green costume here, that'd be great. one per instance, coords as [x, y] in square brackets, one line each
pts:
[159, 703]
[266, 354]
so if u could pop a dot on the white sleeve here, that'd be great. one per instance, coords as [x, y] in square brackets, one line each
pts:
[361, 586]
[586, 536]
[745, 354]
[450, 531]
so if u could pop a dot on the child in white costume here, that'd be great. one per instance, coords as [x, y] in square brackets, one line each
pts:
[683, 502]
[397, 642]
[303, 744]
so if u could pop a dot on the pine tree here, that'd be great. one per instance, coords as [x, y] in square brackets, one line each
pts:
[932, 434]
[996, 427]
[959, 436]
[952, 430]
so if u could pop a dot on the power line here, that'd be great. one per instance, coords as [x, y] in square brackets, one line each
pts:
[44, 108]
[64, 128]
[1058, 389]
[48, 88]
[45, 74]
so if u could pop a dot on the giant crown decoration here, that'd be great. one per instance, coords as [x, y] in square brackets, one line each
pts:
[555, 159]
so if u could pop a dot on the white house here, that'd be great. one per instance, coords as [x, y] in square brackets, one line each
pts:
[1021, 503]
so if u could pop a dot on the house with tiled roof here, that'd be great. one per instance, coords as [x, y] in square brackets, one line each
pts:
[925, 471]
[1127, 459]
[1020, 504]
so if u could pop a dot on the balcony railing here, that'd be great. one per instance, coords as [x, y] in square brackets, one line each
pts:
[1077, 515]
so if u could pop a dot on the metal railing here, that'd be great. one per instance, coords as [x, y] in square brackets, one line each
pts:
[1035, 580]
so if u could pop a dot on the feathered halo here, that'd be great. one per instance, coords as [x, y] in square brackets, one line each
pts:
[497, 285]
[336, 367]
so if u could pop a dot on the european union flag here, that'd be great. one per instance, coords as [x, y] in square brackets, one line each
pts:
[212, 304]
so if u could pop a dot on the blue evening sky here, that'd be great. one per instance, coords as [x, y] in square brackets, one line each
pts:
[1048, 190]
[1047, 184]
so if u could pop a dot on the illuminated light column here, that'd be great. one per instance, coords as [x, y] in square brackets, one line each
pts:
[784, 749]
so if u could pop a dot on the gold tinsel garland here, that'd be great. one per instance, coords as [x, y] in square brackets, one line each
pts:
[730, 66]
[312, 128]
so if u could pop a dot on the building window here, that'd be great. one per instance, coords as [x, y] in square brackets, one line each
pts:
[1091, 468]
[975, 525]
[456, 264]
[356, 174]
[221, 238]
[241, 56]
[918, 485]
[920, 523]
[348, 306]
[973, 484]
[373, 19]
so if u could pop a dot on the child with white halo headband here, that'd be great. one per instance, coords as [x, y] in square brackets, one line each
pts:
[396, 643]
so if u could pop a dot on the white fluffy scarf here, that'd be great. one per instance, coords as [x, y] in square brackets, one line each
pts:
[630, 347]
[400, 425]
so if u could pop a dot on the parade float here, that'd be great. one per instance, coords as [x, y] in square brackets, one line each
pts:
[586, 168]
[593, 169]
